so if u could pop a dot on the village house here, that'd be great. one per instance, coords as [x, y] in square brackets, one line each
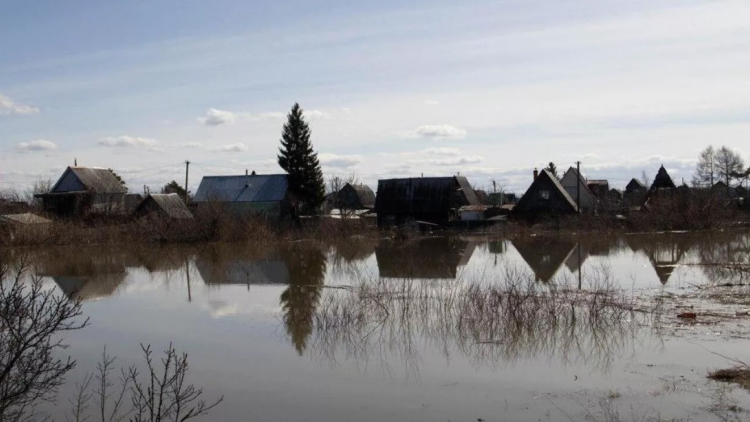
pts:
[85, 191]
[163, 206]
[430, 199]
[635, 193]
[355, 197]
[241, 196]
[545, 196]
[575, 184]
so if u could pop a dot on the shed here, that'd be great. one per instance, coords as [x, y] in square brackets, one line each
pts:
[545, 196]
[265, 194]
[431, 199]
[472, 212]
[598, 187]
[163, 205]
[85, 190]
[355, 197]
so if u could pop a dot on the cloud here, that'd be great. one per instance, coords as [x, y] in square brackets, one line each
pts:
[432, 102]
[239, 147]
[38, 145]
[190, 145]
[442, 151]
[128, 142]
[8, 106]
[438, 132]
[215, 117]
[316, 115]
[340, 161]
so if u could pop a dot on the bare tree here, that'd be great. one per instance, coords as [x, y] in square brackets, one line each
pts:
[729, 164]
[32, 320]
[645, 179]
[335, 184]
[705, 172]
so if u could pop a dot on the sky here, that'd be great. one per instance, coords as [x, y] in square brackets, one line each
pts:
[485, 89]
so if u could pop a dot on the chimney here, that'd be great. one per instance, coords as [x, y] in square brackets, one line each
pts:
[247, 182]
[253, 173]
[536, 173]
[75, 162]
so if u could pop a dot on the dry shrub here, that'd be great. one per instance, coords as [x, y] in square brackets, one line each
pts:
[739, 375]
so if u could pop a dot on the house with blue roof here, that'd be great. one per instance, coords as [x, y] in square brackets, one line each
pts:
[265, 194]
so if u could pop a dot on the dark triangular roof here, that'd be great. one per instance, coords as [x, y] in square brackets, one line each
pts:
[544, 177]
[634, 184]
[662, 180]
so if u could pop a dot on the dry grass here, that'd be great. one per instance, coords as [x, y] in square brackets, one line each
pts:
[738, 375]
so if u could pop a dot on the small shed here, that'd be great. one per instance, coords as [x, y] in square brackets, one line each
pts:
[163, 205]
[545, 196]
[355, 197]
[85, 190]
[265, 194]
[472, 212]
[598, 187]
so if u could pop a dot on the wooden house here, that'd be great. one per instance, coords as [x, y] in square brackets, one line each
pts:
[355, 197]
[240, 196]
[430, 199]
[545, 196]
[85, 191]
[575, 184]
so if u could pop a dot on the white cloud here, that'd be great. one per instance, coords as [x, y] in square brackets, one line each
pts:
[191, 145]
[215, 117]
[128, 142]
[38, 145]
[442, 151]
[340, 161]
[239, 147]
[432, 102]
[438, 132]
[8, 106]
[316, 115]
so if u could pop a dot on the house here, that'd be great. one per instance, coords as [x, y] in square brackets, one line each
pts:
[163, 205]
[132, 200]
[635, 185]
[85, 191]
[635, 193]
[355, 197]
[431, 199]
[661, 181]
[472, 212]
[615, 195]
[663, 188]
[575, 184]
[265, 194]
[424, 258]
[545, 196]
[599, 188]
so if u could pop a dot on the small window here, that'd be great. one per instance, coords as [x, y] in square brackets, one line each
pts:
[544, 194]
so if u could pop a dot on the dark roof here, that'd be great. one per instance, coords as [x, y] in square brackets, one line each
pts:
[525, 203]
[597, 182]
[92, 179]
[423, 194]
[170, 203]
[634, 184]
[662, 180]
[365, 195]
[251, 188]
[468, 191]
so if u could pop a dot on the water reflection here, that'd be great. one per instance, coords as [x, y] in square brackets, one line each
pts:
[544, 255]
[664, 252]
[423, 258]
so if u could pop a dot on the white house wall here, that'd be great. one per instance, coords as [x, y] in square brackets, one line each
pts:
[588, 201]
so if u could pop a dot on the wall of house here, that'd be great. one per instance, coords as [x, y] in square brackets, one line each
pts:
[69, 183]
[569, 182]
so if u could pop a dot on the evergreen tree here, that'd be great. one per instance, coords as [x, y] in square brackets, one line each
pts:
[552, 168]
[300, 161]
[174, 187]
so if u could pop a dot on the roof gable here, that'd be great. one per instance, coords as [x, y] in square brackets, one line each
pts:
[170, 203]
[662, 180]
[544, 180]
[92, 179]
[251, 188]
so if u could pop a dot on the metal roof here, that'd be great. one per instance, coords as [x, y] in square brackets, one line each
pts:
[171, 203]
[92, 179]
[251, 188]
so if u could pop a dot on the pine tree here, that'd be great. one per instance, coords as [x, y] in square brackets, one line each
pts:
[552, 168]
[300, 161]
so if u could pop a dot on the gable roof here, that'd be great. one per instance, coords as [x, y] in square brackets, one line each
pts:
[170, 203]
[365, 194]
[423, 194]
[581, 181]
[92, 179]
[662, 180]
[634, 184]
[251, 188]
[545, 175]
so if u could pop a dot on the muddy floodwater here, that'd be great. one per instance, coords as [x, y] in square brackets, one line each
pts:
[429, 329]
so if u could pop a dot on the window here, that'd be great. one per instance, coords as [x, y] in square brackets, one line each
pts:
[544, 194]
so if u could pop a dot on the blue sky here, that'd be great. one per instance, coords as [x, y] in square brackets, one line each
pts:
[490, 89]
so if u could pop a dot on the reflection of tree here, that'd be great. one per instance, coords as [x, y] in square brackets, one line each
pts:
[307, 268]
[513, 318]
[725, 257]
[664, 252]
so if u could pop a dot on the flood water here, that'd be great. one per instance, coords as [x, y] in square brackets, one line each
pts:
[250, 320]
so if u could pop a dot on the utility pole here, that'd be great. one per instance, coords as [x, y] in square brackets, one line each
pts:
[187, 167]
[578, 186]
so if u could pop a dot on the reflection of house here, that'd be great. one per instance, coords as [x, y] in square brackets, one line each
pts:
[427, 258]
[85, 190]
[545, 255]
[432, 199]
[222, 265]
[85, 275]
[244, 195]
[163, 205]
[663, 252]
[545, 196]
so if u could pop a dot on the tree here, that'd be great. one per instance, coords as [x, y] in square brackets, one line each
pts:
[645, 179]
[335, 184]
[174, 187]
[705, 171]
[552, 168]
[32, 320]
[300, 161]
[728, 164]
